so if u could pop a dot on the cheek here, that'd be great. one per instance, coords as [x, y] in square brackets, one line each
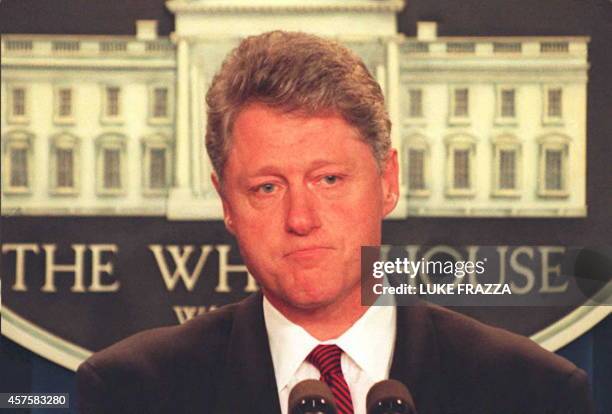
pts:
[256, 235]
[252, 222]
[360, 209]
[260, 235]
[355, 225]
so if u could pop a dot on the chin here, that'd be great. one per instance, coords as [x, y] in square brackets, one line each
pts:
[306, 306]
[316, 298]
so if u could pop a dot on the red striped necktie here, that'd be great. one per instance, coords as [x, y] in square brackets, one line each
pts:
[326, 358]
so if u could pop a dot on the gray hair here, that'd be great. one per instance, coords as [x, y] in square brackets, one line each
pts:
[295, 72]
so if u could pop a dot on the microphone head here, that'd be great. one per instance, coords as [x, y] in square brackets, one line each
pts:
[310, 397]
[389, 397]
[593, 271]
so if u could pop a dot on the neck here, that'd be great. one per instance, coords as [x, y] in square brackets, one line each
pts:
[324, 322]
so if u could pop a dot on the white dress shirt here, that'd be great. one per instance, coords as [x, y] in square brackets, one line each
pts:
[367, 345]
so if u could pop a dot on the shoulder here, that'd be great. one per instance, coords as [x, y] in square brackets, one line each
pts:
[458, 334]
[166, 345]
[157, 362]
[478, 359]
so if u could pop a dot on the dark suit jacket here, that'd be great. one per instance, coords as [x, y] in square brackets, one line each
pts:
[220, 363]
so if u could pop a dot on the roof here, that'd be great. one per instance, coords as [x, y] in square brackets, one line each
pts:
[107, 17]
[456, 18]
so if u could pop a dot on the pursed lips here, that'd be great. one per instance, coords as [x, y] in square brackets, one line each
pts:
[307, 251]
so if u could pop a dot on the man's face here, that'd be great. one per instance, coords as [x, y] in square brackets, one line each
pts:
[302, 195]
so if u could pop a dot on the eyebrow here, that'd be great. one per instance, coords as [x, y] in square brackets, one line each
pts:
[274, 170]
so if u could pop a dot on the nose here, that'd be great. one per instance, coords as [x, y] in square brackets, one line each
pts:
[302, 215]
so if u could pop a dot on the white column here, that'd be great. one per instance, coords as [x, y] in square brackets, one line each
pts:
[393, 86]
[393, 106]
[197, 133]
[182, 116]
[187, 199]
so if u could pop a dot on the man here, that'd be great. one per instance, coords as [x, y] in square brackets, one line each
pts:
[298, 136]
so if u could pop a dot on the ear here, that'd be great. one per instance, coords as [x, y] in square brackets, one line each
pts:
[227, 215]
[390, 182]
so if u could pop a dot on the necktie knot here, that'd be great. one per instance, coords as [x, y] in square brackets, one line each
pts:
[326, 358]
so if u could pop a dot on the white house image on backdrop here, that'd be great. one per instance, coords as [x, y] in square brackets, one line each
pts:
[486, 126]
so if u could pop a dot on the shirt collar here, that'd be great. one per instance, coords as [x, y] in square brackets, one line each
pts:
[368, 342]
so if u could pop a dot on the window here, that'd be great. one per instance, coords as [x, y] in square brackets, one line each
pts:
[157, 46]
[112, 96]
[507, 169]
[416, 103]
[112, 168]
[158, 169]
[461, 100]
[553, 105]
[459, 106]
[19, 102]
[460, 165]
[553, 168]
[506, 166]
[111, 165]
[65, 46]
[160, 104]
[460, 47]
[112, 105]
[507, 103]
[416, 167]
[19, 168]
[157, 166]
[415, 47]
[64, 164]
[507, 47]
[554, 156]
[461, 169]
[112, 46]
[416, 163]
[65, 168]
[17, 163]
[18, 45]
[64, 104]
[18, 108]
[554, 47]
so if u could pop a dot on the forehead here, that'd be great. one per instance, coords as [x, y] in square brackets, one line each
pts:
[264, 135]
[258, 124]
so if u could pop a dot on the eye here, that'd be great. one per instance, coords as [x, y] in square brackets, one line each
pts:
[331, 179]
[266, 188]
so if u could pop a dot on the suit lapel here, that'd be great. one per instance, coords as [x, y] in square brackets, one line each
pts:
[249, 383]
[416, 359]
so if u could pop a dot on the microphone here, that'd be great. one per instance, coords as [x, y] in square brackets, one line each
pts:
[311, 397]
[593, 271]
[389, 397]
